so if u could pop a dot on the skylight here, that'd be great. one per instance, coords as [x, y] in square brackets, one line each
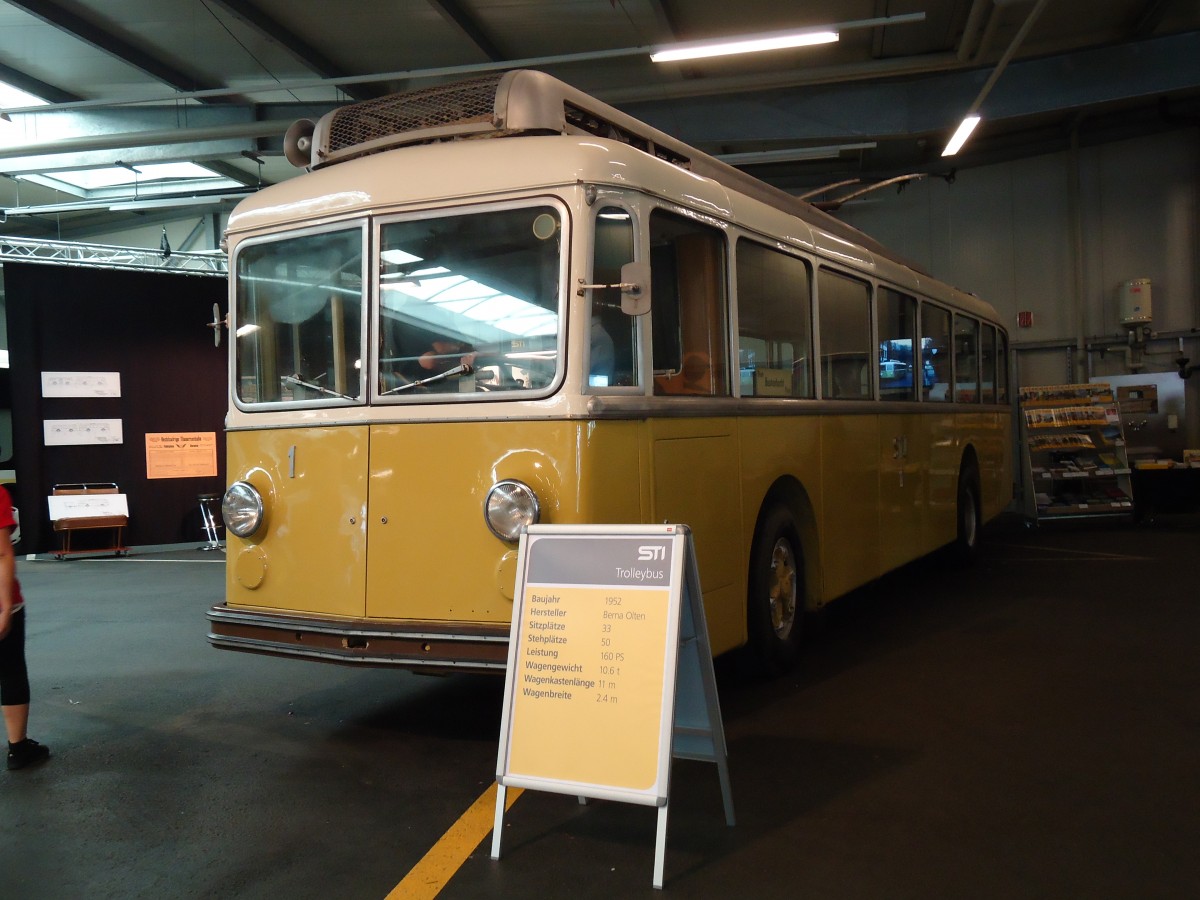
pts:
[150, 179]
[12, 98]
[89, 182]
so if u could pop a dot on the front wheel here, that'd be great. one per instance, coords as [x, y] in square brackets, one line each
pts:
[775, 605]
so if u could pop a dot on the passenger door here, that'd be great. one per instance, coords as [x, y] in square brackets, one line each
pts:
[693, 448]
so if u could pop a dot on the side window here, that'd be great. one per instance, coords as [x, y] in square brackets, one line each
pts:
[898, 366]
[1001, 367]
[612, 360]
[987, 365]
[688, 317]
[774, 323]
[935, 353]
[966, 360]
[845, 328]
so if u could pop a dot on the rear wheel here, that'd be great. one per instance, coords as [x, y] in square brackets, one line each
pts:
[775, 606]
[969, 517]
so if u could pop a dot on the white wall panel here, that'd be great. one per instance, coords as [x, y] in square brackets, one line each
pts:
[1004, 233]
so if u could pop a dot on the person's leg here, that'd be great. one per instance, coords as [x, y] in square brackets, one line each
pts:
[14, 698]
[16, 722]
[14, 680]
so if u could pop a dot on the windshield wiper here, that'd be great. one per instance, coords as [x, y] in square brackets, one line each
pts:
[463, 369]
[297, 380]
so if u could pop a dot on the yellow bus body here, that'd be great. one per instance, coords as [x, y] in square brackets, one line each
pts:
[374, 548]
[327, 552]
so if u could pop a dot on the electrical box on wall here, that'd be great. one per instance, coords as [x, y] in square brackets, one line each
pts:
[1135, 301]
[1152, 413]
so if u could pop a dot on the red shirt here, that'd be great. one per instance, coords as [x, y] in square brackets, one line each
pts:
[7, 521]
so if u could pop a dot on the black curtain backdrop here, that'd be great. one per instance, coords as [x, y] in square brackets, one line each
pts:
[149, 327]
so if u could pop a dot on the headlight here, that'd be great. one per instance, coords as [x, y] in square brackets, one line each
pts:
[242, 509]
[510, 506]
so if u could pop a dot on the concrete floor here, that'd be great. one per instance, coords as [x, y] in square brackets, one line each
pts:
[1027, 728]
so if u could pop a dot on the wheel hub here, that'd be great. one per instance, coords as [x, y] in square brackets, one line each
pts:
[783, 589]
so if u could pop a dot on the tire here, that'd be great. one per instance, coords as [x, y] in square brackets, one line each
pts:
[775, 603]
[969, 518]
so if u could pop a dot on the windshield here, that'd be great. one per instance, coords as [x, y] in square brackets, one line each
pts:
[299, 319]
[469, 304]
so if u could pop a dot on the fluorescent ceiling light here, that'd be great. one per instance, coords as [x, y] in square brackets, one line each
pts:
[960, 136]
[747, 44]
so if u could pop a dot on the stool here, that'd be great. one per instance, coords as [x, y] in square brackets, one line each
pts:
[209, 521]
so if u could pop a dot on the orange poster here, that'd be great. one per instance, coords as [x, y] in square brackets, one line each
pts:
[184, 454]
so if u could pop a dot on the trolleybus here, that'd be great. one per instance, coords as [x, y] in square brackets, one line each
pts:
[502, 302]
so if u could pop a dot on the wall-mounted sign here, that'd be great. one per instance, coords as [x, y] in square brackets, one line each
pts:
[68, 432]
[181, 454]
[81, 384]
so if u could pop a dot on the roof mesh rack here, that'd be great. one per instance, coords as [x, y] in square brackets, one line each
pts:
[464, 103]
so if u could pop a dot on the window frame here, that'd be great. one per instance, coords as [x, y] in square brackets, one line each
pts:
[661, 382]
[381, 222]
[806, 314]
[975, 388]
[362, 224]
[638, 387]
[917, 365]
[872, 355]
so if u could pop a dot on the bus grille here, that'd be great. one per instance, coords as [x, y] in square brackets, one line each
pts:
[461, 103]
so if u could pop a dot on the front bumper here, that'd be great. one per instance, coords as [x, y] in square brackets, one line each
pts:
[423, 646]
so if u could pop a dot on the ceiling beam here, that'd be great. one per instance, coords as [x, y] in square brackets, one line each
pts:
[38, 88]
[233, 173]
[971, 30]
[1149, 18]
[667, 20]
[107, 42]
[465, 24]
[304, 52]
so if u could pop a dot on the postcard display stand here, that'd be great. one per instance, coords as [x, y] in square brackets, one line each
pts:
[610, 674]
[1074, 452]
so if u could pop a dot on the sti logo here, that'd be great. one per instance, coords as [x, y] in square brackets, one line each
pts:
[647, 553]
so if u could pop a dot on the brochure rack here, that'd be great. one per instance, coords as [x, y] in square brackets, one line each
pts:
[1074, 451]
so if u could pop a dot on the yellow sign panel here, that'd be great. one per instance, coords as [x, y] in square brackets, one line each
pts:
[592, 666]
[588, 696]
[184, 454]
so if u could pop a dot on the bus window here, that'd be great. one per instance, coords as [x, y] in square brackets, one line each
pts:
[687, 262]
[935, 353]
[468, 303]
[774, 315]
[613, 358]
[897, 337]
[845, 328]
[966, 359]
[1001, 367]
[987, 364]
[299, 319]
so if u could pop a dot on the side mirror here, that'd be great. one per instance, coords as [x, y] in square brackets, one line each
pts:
[635, 288]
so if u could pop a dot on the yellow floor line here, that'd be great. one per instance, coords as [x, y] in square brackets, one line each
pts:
[444, 858]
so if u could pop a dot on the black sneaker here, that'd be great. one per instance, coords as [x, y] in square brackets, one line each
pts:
[26, 753]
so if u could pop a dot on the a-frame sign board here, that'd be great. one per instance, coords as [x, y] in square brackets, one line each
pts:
[610, 670]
